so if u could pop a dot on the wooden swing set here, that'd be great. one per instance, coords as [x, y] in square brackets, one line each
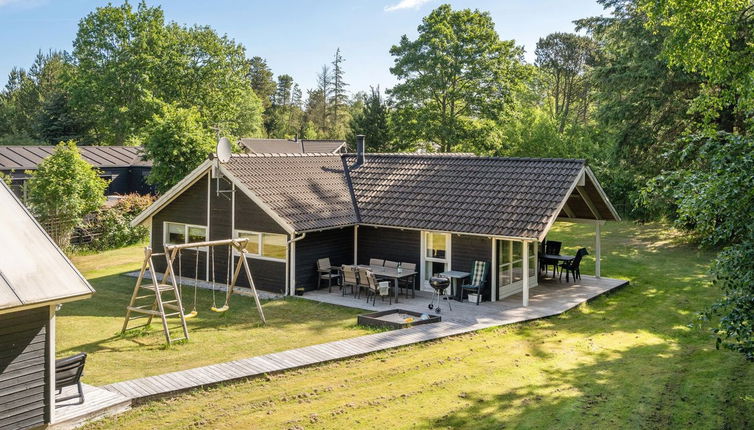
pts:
[158, 306]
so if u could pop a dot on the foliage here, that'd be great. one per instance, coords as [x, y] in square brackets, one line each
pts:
[372, 121]
[457, 72]
[63, 189]
[177, 143]
[283, 119]
[260, 78]
[709, 188]
[338, 99]
[565, 59]
[714, 38]
[114, 224]
[130, 61]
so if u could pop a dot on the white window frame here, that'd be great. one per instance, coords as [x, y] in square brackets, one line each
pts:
[258, 256]
[165, 233]
[424, 285]
[503, 291]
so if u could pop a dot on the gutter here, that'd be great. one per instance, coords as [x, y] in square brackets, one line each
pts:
[290, 263]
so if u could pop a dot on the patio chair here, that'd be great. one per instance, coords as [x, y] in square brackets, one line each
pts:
[551, 247]
[68, 372]
[408, 283]
[572, 266]
[391, 264]
[377, 288]
[376, 262]
[478, 280]
[363, 282]
[325, 271]
[349, 279]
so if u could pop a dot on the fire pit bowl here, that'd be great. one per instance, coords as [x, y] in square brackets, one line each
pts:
[396, 318]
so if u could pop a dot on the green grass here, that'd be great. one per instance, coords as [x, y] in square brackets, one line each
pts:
[626, 360]
[93, 326]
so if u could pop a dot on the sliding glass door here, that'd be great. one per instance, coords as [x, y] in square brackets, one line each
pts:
[510, 266]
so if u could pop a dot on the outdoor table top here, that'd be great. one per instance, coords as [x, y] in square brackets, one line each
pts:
[558, 257]
[455, 274]
[387, 272]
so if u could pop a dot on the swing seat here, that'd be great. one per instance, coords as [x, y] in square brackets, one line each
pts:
[191, 314]
[220, 310]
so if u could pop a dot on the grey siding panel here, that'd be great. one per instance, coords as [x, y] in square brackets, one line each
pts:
[389, 243]
[337, 244]
[23, 362]
[467, 249]
[190, 207]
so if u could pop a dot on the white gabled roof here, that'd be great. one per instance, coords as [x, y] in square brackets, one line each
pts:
[33, 270]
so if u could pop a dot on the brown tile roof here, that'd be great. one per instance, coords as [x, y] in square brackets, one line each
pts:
[513, 197]
[308, 191]
[285, 146]
[29, 157]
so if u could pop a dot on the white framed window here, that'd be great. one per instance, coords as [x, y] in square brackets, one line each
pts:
[435, 255]
[265, 246]
[176, 233]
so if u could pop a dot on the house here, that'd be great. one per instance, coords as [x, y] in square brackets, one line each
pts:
[440, 211]
[35, 277]
[121, 165]
[295, 146]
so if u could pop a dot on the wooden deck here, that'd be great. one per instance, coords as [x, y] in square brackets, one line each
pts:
[98, 403]
[550, 298]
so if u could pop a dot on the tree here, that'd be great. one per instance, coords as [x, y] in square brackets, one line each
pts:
[714, 38]
[285, 115]
[324, 94]
[372, 121]
[28, 93]
[63, 189]
[130, 62]
[339, 98]
[177, 143]
[260, 78]
[564, 58]
[455, 74]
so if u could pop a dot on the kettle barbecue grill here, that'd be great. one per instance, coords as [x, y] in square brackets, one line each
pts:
[439, 285]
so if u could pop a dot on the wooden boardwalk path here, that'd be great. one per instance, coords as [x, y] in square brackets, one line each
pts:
[545, 303]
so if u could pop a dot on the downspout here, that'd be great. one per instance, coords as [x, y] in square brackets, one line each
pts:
[290, 263]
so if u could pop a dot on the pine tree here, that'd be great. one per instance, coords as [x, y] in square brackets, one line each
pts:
[339, 97]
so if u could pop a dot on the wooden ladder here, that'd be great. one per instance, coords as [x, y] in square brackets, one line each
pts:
[157, 306]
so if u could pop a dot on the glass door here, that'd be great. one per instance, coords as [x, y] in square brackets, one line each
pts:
[436, 256]
[510, 266]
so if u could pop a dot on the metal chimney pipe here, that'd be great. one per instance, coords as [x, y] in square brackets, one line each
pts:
[360, 149]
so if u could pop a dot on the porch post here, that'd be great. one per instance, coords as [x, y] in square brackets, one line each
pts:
[355, 244]
[597, 249]
[525, 277]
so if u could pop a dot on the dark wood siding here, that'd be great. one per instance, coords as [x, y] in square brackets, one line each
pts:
[268, 275]
[389, 243]
[337, 244]
[221, 228]
[23, 368]
[119, 180]
[190, 207]
[467, 249]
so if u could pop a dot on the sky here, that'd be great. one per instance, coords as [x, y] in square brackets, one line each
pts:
[295, 37]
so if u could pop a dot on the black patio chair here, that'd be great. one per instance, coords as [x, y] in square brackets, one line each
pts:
[68, 372]
[551, 247]
[409, 282]
[572, 266]
[478, 280]
[325, 271]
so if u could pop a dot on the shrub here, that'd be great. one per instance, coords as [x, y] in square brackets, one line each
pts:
[113, 224]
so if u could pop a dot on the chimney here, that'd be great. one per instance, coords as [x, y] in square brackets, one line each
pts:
[359, 150]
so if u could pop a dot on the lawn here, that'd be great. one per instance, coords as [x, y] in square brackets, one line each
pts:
[93, 326]
[625, 360]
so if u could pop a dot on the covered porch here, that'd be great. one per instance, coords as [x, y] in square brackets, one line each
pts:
[551, 297]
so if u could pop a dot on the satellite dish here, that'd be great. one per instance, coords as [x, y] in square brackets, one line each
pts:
[224, 150]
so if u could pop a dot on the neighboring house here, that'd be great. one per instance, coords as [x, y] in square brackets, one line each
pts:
[121, 165]
[296, 146]
[35, 277]
[440, 211]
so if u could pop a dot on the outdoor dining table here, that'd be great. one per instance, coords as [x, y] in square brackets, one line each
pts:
[391, 273]
[556, 258]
